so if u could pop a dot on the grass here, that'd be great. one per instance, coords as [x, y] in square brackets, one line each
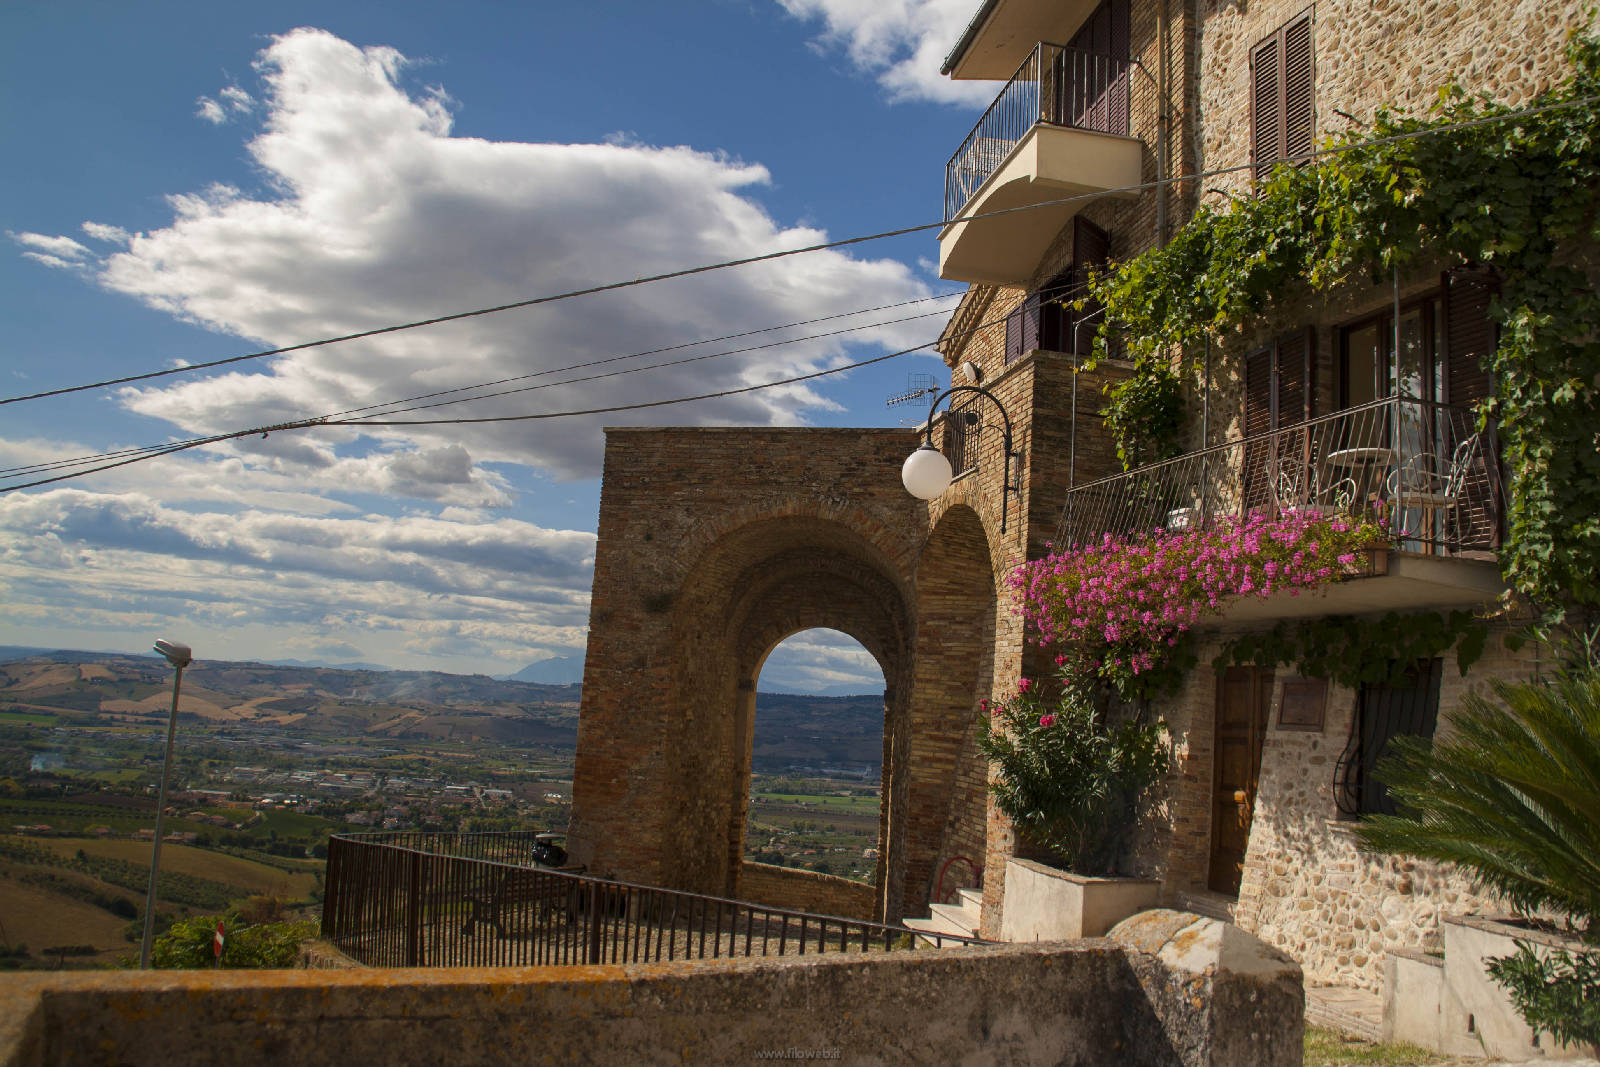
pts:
[198, 862]
[40, 919]
[1327, 1048]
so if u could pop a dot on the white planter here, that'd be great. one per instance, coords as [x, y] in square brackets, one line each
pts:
[1046, 904]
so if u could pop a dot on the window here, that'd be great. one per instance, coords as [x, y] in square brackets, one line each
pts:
[1282, 87]
[1045, 319]
[1383, 712]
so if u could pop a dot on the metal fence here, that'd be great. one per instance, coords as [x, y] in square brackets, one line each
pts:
[409, 899]
[1057, 86]
[1425, 468]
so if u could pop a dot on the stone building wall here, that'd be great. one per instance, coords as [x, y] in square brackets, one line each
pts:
[1306, 888]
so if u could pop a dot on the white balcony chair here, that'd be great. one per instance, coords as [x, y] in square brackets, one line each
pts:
[1425, 480]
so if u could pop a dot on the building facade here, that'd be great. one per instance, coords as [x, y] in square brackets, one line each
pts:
[715, 545]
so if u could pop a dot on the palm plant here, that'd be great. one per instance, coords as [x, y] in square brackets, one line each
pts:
[1512, 796]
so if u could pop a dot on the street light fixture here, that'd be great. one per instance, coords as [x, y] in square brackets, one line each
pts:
[179, 656]
[927, 473]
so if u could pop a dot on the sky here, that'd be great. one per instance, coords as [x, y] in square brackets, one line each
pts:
[188, 182]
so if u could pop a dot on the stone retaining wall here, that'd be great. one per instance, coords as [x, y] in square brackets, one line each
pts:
[798, 890]
[1179, 991]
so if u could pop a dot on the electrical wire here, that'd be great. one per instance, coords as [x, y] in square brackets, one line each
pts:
[156, 451]
[819, 247]
[79, 460]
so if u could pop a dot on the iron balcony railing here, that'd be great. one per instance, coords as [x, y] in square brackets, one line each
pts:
[1055, 86]
[1427, 469]
[416, 899]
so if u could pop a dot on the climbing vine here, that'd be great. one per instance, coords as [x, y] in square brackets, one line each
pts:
[1517, 196]
[1354, 652]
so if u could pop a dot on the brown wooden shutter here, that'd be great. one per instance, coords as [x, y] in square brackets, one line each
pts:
[1470, 335]
[1091, 249]
[1294, 372]
[1470, 340]
[1266, 117]
[1014, 347]
[1255, 488]
[1282, 96]
[1299, 118]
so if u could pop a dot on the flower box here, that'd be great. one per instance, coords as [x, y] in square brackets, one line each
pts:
[1044, 903]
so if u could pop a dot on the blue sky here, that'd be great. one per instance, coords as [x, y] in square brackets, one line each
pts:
[190, 181]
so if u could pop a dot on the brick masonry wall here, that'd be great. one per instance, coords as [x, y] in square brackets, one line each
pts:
[797, 890]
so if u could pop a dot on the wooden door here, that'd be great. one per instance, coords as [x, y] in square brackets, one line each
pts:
[1243, 695]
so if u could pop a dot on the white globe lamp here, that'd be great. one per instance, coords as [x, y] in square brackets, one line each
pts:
[926, 473]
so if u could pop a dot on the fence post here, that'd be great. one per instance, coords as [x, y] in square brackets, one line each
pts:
[414, 912]
[594, 922]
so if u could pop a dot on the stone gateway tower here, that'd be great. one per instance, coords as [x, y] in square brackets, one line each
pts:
[716, 544]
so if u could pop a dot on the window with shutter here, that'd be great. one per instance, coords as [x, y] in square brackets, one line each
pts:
[1282, 94]
[1045, 319]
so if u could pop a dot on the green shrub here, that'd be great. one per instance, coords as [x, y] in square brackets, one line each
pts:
[1068, 777]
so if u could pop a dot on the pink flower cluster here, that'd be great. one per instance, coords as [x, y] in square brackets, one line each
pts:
[1136, 595]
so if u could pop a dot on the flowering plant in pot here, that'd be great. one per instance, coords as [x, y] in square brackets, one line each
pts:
[1069, 774]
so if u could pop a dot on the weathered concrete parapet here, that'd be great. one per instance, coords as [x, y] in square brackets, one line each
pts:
[1222, 996]
[1085, 1002]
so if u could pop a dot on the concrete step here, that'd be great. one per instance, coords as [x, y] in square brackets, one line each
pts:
[932, 926]
[962, 920]
[1211, 905]
[972, 898]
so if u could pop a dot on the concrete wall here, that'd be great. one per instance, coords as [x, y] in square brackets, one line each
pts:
[1092, 1002]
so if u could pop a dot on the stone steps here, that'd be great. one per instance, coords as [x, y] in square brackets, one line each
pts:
[960, 920]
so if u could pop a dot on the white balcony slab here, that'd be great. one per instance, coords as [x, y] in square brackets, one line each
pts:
[1050, 163]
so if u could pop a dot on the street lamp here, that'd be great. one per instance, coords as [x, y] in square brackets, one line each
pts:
[179, 656]
[927, 473]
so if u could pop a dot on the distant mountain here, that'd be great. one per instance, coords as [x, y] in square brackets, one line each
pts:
[334, 666]
[557, 670]
[313, 701]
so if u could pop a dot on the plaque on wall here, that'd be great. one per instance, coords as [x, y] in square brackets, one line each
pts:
[1303, 700]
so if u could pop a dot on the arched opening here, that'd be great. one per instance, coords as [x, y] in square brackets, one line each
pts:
[816, 758]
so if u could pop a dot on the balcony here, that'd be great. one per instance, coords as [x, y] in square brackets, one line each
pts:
[1424, 468]
[1059, 128]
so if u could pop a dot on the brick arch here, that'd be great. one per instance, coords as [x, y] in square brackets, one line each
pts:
[943, 775]
[716, 544]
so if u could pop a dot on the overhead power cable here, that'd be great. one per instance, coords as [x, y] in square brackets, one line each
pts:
[155, 451]
[393, 404]
[685, 272]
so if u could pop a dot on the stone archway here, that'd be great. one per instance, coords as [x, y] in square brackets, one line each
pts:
[686, 610]
[714, 546]
[944, 776]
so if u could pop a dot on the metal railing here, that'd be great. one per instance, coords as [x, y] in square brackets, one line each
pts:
[1425, 468]
[1055, 86]
[964, 434]
[413, 899]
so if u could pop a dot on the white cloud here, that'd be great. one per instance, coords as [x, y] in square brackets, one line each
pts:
[900, 42]
[64, 247]
[101, 231]
[126, 562]
[238, 101]
[821, 661]
[211, 111]
[376, 214]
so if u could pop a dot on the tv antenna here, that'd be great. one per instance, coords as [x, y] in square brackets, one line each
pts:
[917, 387]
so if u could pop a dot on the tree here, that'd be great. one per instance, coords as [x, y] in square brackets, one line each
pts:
[1512, 795]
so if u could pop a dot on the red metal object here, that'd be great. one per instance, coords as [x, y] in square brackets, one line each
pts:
[977, 874]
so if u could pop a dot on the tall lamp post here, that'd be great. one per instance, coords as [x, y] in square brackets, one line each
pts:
[179, 656]
[926, 472]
